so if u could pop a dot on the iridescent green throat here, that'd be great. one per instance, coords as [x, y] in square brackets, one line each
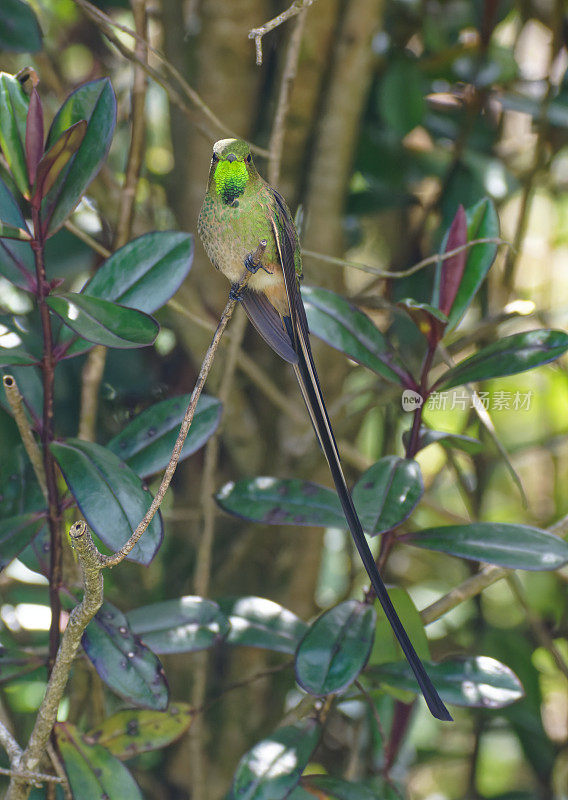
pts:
[230, 179]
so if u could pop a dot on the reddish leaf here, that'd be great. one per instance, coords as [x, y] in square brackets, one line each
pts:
[34, 135]
[57, 157]
[453, 267]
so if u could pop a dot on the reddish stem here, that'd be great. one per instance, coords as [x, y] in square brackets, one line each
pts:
[48, 363]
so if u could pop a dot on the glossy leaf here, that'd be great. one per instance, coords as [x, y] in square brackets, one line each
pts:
[15, 356]
[94, 102]
[103, 322]
[110, 495]
[93, 772]
[15, 534]
[429, 320]
[387, 493]
[349, 330]
[19, 29]
[146, 272]
[385, 646]
[180, 626]
[512, 546]
[282, 502]
[482, 223]
[147, 442]
[258, 622]
[14, 104]
[476, 682]
[133, 731]
[271, 769]
[338, 789]
[34, 143]
[17, 263]
[12, 222]
[452, 268]
[335, 648]
[457, 441]
[57, 157]
[507, 356]
[126, 665]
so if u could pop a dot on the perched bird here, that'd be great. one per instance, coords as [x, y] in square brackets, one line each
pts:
[240, 209]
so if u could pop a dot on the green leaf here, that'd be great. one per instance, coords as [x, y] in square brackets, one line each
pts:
[482, 223]
[512, 546]
[103, 322]
[271, 769]
[92, 771]
[12, 222]
[335, 648]
[94, 102]
[401, 98]
[180, 626]
[475, 682]
[386, 647]
[258, 622]
[146, 272]
[507, 356]
[110, 495]
[14, 105]
[15, 663]
[15, 356]
[282, 502]
[147, 442]
[338, 788]
[446, 440]
[19, 29]
[126, 665]
[351, 331]
[17, 263]
[128, 733]
[429, 320]
[57, 157]
[15, 534]
[387, 493]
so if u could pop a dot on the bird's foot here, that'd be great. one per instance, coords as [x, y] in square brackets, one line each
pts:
[234, 291]
[253, 260]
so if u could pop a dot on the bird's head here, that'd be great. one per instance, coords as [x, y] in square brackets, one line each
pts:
[232, 168]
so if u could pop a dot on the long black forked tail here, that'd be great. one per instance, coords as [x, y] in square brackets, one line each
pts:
[311, 391]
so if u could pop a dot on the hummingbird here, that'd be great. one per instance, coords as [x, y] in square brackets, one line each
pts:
[240, 210]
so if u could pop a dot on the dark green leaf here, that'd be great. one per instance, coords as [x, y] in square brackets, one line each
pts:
[19, 29]
[335, 648]
[14, 104]
[429, 320]
[386, 647]
[110, 495]
[347, 329]
[338, 788]
[92, 771]
[482, 223]
[401, 98]
[126, 665]
[12, 222]
[476, 682]
[103, 322]
[15, 356]
[16, 263]
[282, 502]
[387, 493]
[512, 546]
[94, 102]
[180, 626]
[446, 440]
[271, 769]
[146, 272]
[147, 442]
[507, 356]
[258, 622]
[15, 534]
[133, 731]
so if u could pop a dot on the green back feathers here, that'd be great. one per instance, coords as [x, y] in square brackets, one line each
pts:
[230, 179]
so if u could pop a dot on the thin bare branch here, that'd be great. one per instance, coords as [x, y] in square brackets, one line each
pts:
[88, 240]
[111, 561]
[16, 402]
[10, 745]
[257, 33]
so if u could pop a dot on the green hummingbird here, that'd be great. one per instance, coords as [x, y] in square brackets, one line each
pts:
[239, 210]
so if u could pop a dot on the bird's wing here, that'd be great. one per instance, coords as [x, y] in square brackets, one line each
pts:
[268, 323]
[297, 326]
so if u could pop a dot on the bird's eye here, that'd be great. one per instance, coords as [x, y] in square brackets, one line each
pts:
[215, 158]
[248, 159]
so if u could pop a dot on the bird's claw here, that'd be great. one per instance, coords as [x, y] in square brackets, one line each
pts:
[253, 260]
[234, 291]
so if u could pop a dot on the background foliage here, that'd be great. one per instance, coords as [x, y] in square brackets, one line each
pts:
[400, 112]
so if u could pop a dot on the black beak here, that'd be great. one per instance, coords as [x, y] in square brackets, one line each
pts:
[231, 157]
